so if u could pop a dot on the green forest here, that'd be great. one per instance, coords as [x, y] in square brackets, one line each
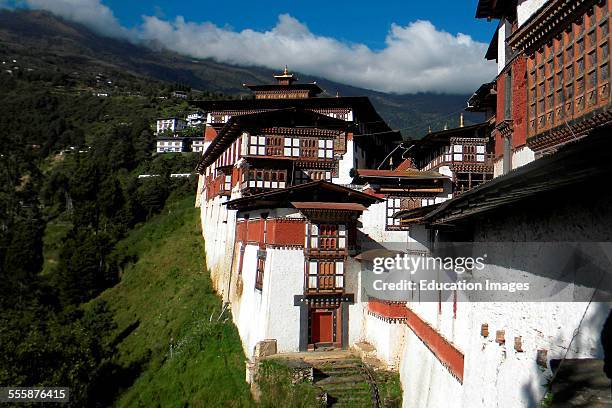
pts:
[76, 221]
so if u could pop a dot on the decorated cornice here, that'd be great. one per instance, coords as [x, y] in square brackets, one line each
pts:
[505, 128]
[548, 22]
[574, 130]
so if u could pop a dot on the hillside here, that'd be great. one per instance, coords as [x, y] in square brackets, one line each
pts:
[173, 337]
[40, 39]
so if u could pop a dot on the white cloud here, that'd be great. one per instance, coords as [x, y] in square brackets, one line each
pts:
[91, 13]
[417, 57]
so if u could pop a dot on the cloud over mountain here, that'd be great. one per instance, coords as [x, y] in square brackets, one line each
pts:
[417, 57]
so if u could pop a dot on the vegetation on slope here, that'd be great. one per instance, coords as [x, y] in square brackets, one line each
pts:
[175, 336]
[62, 217]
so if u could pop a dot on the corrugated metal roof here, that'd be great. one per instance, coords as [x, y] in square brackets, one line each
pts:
[407, 173]
[320, 205]
[301, 193]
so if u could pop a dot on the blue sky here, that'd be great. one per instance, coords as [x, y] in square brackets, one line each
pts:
[352, 21]
[399, 46]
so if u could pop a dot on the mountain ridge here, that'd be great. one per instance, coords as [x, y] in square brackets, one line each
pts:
[42, 35]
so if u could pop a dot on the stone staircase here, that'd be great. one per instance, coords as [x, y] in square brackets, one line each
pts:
[345, 381]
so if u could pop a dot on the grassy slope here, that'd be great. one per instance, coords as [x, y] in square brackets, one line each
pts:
[166, 298]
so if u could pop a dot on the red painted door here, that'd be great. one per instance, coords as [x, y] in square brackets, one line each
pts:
[322, 327]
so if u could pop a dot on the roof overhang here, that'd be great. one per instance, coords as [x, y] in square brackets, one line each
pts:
[495, 9]
[318, 193]
[484, 98]
[441, 138]
[321, 205]
[414, 215]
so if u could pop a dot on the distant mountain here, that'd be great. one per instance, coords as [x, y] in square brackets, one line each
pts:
[42, 39]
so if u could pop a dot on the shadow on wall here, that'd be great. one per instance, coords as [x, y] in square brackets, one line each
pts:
[578, 382]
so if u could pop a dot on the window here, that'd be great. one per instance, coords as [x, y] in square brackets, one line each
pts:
[292, 147]
[227, 183]
[274, 146]
[300, 177]
[580, 46]
[393, 206]
[325, 275]
[592, 39]
[580, 66]
[309, 148]
[259, 272]
[592, 79]
[508, 96]
[327, 237]
[264, 178]
[320, 175]
[604, 72]
[257, 145]
[326, 149]
[579, 86]
[592, 59]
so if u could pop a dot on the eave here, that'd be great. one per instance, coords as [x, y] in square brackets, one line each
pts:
[546, 23]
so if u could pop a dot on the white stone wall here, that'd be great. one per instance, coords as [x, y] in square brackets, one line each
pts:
[284, 278]
[499, 375]
[269, 313]
[501, 48]
[387, 338]
[346, 163]
[498, 167]
[425, 382]
[522, 156]
[373, 222]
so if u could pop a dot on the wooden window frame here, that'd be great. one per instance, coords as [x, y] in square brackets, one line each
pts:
[325, 275]
[260, 269]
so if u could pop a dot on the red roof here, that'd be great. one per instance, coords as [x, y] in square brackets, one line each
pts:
[209, 134]
[405, 165]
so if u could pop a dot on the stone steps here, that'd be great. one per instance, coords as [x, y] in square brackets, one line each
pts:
[343, 381]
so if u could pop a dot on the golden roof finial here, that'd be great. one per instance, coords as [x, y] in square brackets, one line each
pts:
[429, 128]
[286, 71]
[446, 126]
[461, 120]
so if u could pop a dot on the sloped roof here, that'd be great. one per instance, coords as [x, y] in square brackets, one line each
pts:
[321, 205]
[495, 8]
[413, 174]
[361, 106]
[314, 192]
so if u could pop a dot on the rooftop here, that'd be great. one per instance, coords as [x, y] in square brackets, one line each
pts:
[313, 195]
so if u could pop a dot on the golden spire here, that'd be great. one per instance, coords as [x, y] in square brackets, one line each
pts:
[461, 120]
[286, 71]
[446, 126]
[429, 128]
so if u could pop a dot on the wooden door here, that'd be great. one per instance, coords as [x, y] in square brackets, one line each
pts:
[322, 330]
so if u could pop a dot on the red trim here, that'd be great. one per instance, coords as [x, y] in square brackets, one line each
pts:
[443, 349]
